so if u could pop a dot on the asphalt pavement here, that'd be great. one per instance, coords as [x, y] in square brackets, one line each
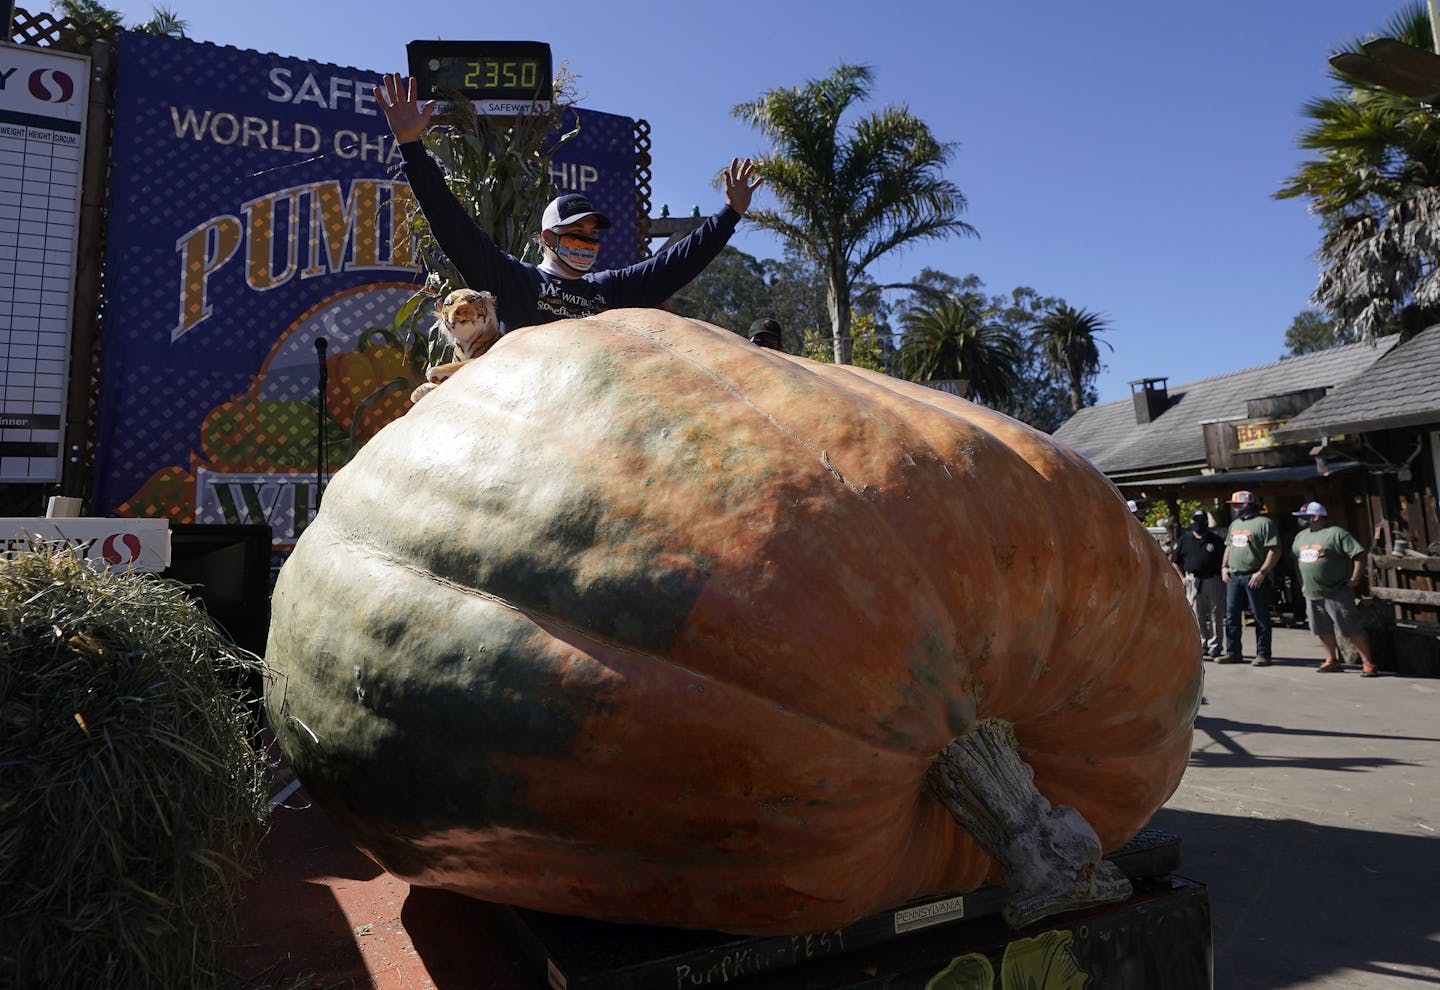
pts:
[1311, 811]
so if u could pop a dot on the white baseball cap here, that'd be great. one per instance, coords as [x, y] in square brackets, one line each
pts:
[567, 209]
[1311, 509]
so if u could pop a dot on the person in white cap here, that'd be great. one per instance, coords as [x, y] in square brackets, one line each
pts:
[1331, 564]
[565, 285]
[1252, 549]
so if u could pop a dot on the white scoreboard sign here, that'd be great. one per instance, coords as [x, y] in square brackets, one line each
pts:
[114, 544]
[42, 135]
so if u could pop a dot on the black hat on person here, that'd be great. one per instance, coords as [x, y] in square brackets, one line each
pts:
[765, 327]
[568, 209]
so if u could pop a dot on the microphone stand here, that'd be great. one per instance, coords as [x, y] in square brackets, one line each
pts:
[322, 410]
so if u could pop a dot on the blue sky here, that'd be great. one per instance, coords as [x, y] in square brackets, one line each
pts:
[1122, 155]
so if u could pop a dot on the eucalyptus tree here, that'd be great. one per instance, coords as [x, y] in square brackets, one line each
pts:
[1311, 331]
[737, 288]
[1039, 397]
[1375, 184]
[961, 338]
[1069, 340]
[731, 292]
[797, 298]
[849, 193]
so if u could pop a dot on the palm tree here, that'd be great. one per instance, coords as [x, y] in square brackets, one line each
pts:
[1068, 339]
[1376, 186]
[165, 22]
[959, 338]
[849, 198]
[97, 20]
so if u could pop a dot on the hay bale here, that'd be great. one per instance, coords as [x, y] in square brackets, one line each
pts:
[132, 784]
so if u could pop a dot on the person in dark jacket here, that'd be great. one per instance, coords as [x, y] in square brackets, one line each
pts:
[1197, 557]
[564, 285]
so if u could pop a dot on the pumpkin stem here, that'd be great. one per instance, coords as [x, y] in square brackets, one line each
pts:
[1052, 858]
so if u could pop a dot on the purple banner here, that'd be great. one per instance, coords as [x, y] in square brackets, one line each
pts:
[254, 209]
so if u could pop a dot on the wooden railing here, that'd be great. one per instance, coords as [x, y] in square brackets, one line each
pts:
[1400, 567]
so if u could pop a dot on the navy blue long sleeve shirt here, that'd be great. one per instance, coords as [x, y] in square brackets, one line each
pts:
[526, 295]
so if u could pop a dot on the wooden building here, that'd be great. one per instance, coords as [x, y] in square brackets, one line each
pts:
[1207, 438]
[1204, 439]
[1387, 421]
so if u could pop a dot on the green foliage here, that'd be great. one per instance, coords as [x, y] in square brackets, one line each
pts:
[849, 196]
[162, 21]
[1375, 183]
[869, 347]
[736, 289]
[1037, 397]
[731, 292]
[96, 21]
[1069, 341]
[134, 788]
[1158, 513]
[1312, 331]
[960, 338]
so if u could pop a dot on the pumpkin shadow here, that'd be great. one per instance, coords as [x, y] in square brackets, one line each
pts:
[1292, 901]
[1228, 751]
[289, 922]
[458, 939]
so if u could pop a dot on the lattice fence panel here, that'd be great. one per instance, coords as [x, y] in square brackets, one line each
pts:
[42, 29]
[642, 184]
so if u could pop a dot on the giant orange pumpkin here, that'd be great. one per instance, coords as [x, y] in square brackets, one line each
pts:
[635, 620]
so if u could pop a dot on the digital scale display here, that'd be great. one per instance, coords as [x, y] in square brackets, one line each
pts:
[500, 77]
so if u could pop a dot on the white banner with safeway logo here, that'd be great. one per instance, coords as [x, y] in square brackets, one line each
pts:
[117, 544]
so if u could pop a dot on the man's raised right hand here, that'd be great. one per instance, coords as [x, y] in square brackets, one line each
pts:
[406, 117]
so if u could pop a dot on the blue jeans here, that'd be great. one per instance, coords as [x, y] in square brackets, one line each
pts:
[1237, 592]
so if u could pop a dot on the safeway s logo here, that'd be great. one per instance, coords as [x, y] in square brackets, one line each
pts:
[52, 86]
[121, 548]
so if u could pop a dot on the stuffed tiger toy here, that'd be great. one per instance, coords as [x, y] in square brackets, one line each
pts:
[467, 319]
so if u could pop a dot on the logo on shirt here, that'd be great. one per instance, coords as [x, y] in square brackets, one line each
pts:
[1310, 553]
[1240, 538]
[555, 299]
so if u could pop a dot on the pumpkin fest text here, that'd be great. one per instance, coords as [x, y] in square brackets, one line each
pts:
[305, 230]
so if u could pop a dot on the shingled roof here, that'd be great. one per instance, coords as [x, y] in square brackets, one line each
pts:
[1399, 390]
[1108, 435]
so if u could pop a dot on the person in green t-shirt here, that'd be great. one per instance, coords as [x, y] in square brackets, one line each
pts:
[1331, 562]
[1252, 549]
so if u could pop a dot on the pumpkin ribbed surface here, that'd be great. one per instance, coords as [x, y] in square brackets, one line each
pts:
[635, 620]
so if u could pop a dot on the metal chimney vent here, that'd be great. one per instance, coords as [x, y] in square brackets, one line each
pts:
[1151, 399]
